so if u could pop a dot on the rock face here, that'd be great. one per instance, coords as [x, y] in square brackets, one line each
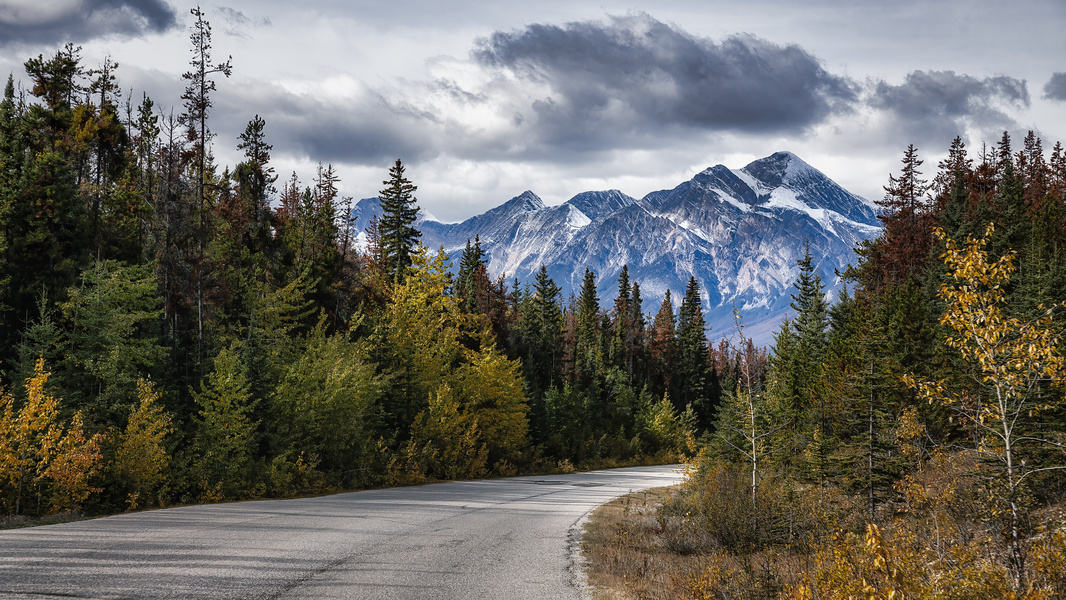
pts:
[739, 232]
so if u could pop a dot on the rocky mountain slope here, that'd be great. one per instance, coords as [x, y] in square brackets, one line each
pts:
[740, 232]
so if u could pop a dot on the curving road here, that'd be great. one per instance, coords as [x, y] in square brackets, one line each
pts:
[503, 538]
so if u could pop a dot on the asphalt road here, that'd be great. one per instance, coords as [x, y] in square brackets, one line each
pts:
[503, 538]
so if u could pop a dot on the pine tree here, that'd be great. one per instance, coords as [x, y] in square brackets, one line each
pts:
[399, 210]
[588, 353]
[904, 247]
[255, 183]
[636, 353]
[621, 316]
[1034, 171]
[812, 316]
[56, 83]
[542, 333]
[1003, 155]
[952, 186]
[225, 435]
[471, 268]
[695, 385]
[113, 228]
[1012, 212]
[1057, 176]
[198, 103]
[146, 146]
[12, 158]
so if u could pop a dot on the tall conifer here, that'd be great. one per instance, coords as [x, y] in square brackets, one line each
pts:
[695, 384]
[399, 210]
[812, 311]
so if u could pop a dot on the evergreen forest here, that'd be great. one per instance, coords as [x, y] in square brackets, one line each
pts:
[176, 331]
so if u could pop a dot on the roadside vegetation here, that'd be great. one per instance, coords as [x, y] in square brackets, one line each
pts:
[906, 441]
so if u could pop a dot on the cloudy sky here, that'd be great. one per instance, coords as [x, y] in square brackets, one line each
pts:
[485, 100]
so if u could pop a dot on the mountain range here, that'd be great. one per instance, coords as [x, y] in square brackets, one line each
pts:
[739, 232]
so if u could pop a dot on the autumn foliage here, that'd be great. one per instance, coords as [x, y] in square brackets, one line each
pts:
[45, 463]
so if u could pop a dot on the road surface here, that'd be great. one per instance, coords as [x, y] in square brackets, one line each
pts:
[503, 538]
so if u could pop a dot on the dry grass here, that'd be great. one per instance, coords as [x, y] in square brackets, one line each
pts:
[625, 553]
[632, 552]
[635, 548]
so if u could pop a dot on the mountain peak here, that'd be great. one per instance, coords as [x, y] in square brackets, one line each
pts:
[526, 201]
[779, 168]
[788, 180]
[726, 184]
[598, 204]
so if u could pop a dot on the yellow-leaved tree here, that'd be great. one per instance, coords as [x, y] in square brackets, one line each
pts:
[463, 399]
[141, 456]
[1013, 361]
[490, 388]
[39, 457]
[421, 328]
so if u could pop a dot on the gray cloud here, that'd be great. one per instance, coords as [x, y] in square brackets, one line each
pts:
[637, 74]
[33, 23]
[372, 130]
[582, 91]
[1055, 88]
[935, 106]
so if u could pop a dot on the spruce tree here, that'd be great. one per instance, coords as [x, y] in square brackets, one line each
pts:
[695, 384]
[952, 186]
[198, 102]
[812, 311]
[588, 352]
[198, 105]
[399, 210]
[255, 177]
[636, 353]
[12, 153]
[542, 333]
[907, 215]
[620, 323]
[471, 264]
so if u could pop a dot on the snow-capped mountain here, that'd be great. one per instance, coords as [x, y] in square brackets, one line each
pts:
[740, 232]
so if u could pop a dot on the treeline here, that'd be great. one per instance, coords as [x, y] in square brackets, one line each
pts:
[176, 331]
[908, 439]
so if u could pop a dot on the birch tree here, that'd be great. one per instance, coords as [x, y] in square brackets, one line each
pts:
[1012, 361]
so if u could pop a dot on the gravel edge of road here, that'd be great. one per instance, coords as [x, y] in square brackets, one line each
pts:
[576, 561]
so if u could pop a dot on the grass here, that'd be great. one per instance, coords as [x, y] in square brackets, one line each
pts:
[625, 553]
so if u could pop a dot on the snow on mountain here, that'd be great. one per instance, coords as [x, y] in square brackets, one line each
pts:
[740, 232]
